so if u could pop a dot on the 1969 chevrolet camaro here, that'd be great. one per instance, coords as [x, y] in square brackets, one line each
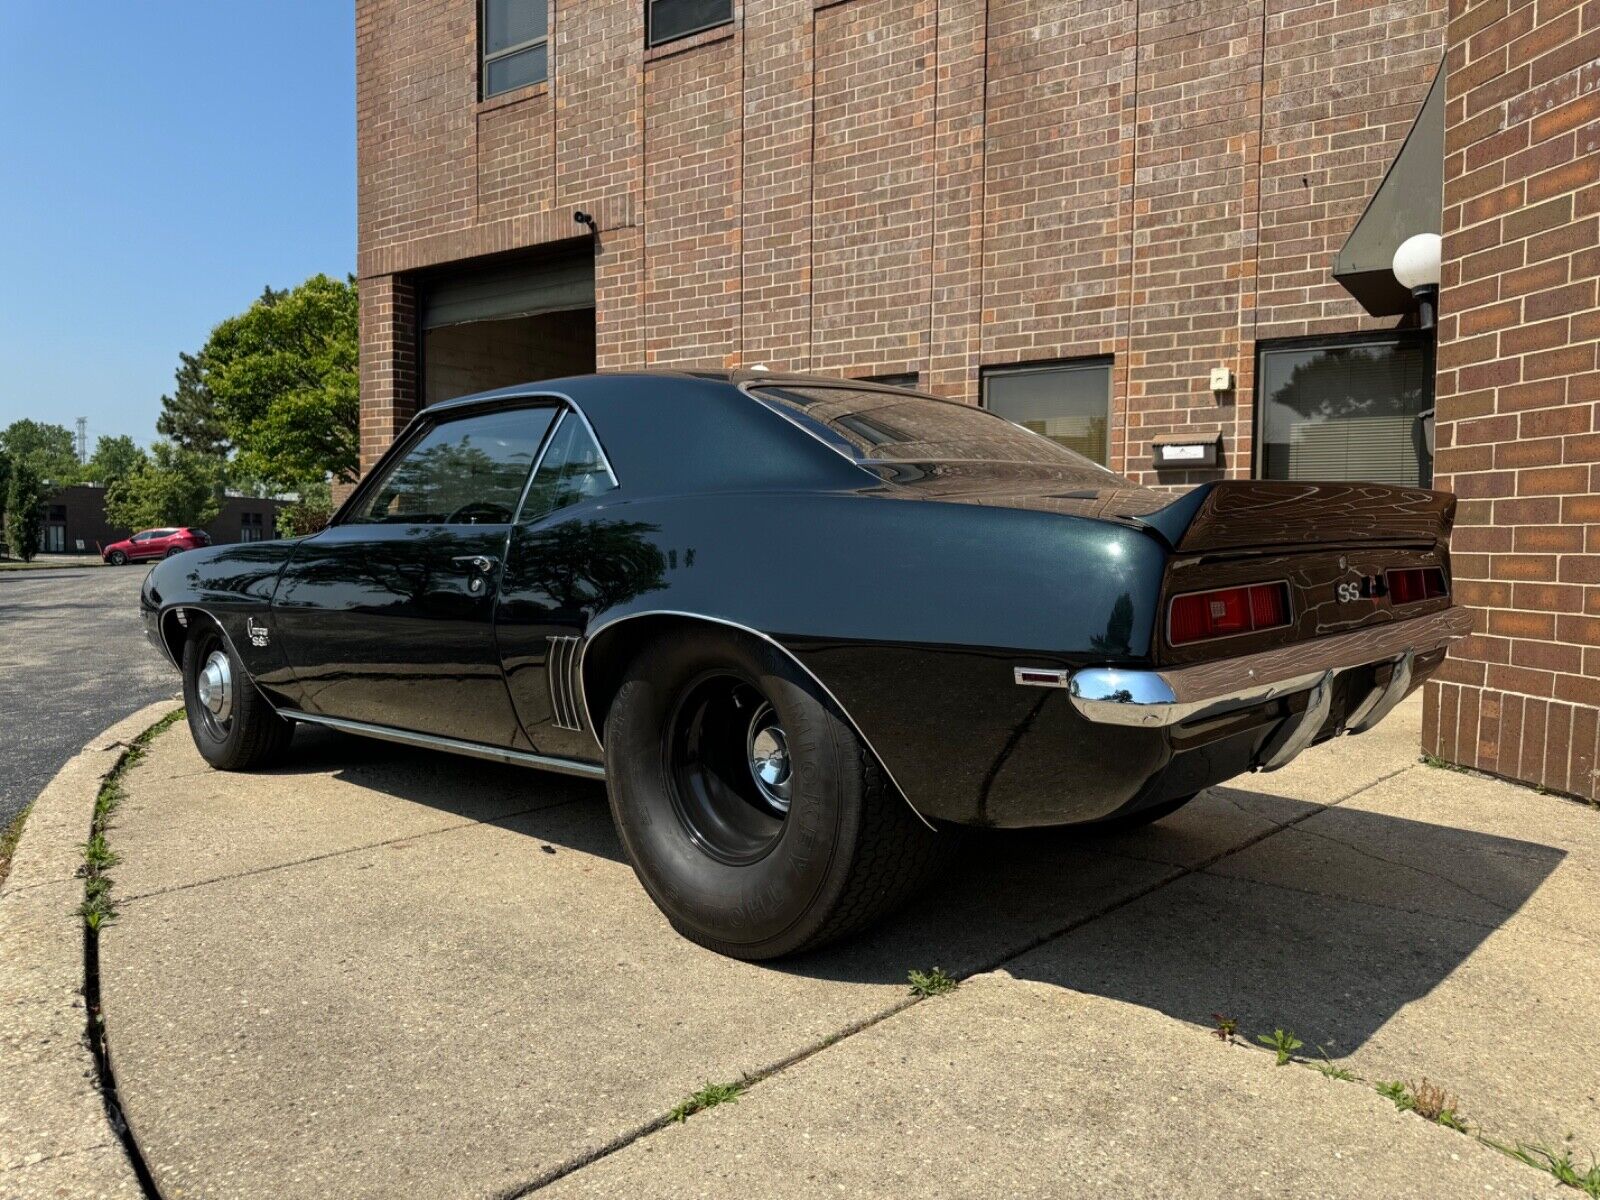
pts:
[801, 627]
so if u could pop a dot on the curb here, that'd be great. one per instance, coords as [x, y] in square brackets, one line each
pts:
[56, 1137]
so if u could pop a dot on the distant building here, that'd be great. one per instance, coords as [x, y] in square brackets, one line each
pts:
[75, 520]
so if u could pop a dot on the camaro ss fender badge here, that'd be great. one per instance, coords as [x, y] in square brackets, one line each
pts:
[259, 634]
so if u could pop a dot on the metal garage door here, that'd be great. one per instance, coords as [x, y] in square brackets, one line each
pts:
[518, 289]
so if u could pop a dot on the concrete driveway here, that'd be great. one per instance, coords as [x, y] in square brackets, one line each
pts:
[380, 972]
[73, 658]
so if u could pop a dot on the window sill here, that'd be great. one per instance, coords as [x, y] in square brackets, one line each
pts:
[706, 37]
[519, 95]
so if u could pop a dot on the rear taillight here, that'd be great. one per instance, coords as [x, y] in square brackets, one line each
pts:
[1415, 583]
[1227, 611]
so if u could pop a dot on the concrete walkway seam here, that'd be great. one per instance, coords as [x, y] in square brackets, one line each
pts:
[56, 1109]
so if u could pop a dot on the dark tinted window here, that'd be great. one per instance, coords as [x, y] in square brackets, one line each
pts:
[899, 427]
[514, 41]
[1346, 410]
[572, 469]
[1069, 403]
[465, 472]
[669, 19]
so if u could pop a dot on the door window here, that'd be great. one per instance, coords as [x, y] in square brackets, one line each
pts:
[469, 471]
[572, 469]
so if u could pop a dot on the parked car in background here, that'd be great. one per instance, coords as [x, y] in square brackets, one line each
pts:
[155, 543]
[801, 627]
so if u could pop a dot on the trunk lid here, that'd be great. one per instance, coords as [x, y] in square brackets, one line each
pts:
[1256, 514]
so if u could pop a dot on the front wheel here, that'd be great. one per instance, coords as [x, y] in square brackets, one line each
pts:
[117, 558]
[752, 813]
[232, 725]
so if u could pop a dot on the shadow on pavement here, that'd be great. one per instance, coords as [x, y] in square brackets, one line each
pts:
[1112, 916]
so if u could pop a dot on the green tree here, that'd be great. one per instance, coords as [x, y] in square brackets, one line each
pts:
[50, 450]
[25, 499]
[284, 378]
[173, 486]
[114, 458]
[5, 486]
[189, 416]
[309, 514]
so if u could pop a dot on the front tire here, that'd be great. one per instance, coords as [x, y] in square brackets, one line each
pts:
[232, 725]
[752, 813]
[117, 558]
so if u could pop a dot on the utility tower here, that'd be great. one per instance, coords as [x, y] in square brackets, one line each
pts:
[83, 440]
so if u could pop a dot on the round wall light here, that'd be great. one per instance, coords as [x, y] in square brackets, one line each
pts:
[1416, 267]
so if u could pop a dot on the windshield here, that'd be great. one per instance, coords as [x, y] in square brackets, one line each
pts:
[874, 426]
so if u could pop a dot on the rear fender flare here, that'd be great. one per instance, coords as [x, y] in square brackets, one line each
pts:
[599, 689]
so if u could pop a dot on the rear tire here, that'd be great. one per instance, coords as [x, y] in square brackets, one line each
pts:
[233, 727]
[752, 813]
[176, 550]
[117, 558]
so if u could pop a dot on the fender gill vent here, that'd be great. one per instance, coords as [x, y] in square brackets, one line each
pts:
[561, 669]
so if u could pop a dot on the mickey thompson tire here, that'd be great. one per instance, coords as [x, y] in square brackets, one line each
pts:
[233, 727]
[753, 815]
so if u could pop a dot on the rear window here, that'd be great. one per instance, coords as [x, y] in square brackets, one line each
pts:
[870, 426]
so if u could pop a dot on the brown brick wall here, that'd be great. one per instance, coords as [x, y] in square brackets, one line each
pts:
[873, 186]
[1518, 386]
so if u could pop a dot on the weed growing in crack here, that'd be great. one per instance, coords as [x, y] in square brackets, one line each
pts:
[1227, 1028]
[1433, 760]
[1330, 1069]
[930, 983]
[1428, 1100]
[1282, 1042]
[1558, 1163]
[711, 1095]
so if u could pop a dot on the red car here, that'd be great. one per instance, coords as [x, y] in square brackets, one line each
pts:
[154, 543]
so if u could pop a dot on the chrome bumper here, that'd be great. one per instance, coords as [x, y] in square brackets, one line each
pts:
[1158, 698]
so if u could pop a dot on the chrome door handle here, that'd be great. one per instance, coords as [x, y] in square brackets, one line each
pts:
[480, 563]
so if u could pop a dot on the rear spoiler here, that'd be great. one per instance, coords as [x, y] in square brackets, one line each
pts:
[1255, 513]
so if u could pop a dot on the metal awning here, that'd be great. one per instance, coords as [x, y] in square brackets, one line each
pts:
[1409, 200]
[496, 291]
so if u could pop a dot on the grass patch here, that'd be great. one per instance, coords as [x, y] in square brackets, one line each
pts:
[9, 840]
[98, 909]
[709, 1096]
[1281, 1042]
[1332, 1070]
[1428, 1100]
[930, 983]
[1433, 760]
[1558, 1163]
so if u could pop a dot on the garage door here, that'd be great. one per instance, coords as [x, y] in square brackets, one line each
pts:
[501, 291]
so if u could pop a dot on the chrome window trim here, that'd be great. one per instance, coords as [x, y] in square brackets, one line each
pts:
[597, 630]
[429, 741]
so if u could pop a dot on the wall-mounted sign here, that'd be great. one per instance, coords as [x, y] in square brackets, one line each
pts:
[1198, 449]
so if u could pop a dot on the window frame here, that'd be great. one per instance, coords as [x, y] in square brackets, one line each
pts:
[1327, 341]
[519, 519]
[650, 42]
[485, 57]
[429, 418]
[1081, 362]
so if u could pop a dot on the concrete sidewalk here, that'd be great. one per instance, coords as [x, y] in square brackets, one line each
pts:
[385, 973]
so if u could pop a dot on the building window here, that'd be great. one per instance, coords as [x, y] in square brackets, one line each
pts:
[252, 527]
[1347, 409]
[668, 20]
[1068, 402]
[903, 379]
[514, 39]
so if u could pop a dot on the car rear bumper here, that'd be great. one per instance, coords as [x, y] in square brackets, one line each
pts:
[1161, 698]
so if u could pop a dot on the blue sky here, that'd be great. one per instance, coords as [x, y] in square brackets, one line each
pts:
[159, 164]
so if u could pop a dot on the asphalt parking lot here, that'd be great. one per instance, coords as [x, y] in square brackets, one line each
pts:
[73, 659]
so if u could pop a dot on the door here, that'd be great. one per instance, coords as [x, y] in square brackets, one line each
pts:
[388, 617]
[147, 544]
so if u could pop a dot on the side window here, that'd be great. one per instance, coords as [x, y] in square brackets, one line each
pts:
[572, 469]
[468, 471]
[513, 44]
[667, 20]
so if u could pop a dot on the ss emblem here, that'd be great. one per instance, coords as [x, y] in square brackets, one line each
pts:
[1349, 592]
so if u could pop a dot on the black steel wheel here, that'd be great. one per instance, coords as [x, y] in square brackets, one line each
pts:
[751, 811]
[233, 727]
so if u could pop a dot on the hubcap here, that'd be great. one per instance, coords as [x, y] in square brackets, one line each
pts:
[214, 687]
[768, 751]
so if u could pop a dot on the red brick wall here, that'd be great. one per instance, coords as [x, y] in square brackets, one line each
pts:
[867, 186]
[1518, 388]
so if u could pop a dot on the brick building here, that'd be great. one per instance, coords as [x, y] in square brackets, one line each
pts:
[1073, 212]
